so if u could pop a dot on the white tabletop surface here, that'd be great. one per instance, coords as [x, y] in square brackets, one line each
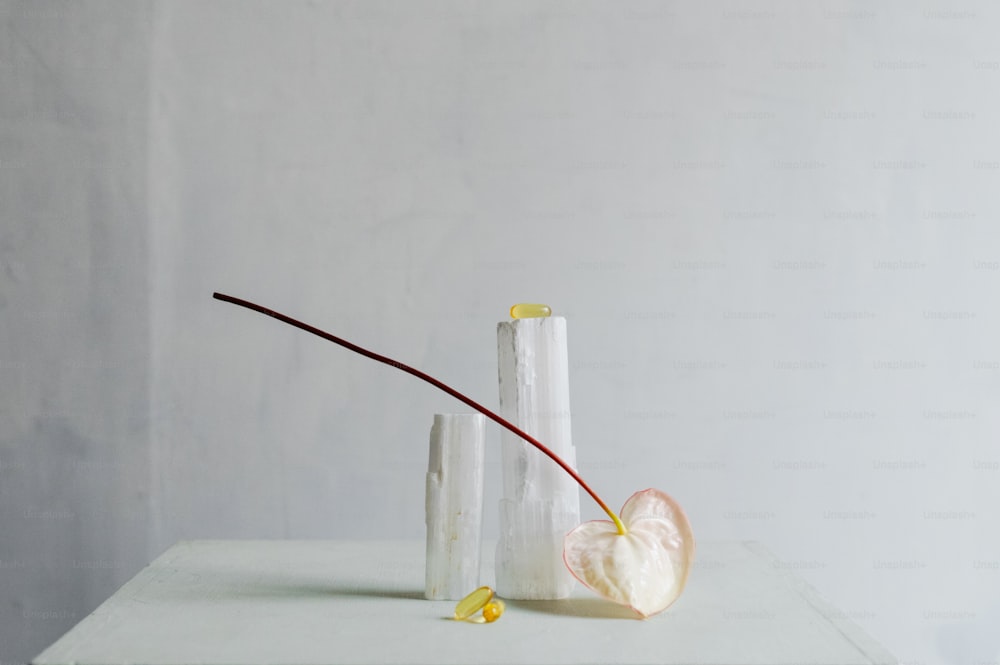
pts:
[307, 602]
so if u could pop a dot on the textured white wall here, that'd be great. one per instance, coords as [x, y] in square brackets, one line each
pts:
[771, 226]
[75, 362]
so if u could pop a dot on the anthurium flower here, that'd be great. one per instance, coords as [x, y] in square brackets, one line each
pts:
[640, 559]
[644, 568]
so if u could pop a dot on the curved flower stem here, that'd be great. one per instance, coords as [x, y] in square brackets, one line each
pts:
[437, 384]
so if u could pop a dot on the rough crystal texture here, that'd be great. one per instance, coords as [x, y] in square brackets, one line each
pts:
[454, 505]
[529, 562]
[541, 502]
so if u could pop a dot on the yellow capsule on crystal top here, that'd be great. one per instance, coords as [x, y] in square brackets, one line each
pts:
[472, 603]
[527, 310]
[493, 610]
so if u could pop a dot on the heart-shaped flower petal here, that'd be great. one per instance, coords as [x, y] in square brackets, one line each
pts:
[646, 568]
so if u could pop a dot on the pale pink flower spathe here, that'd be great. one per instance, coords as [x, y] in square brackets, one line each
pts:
[645, 569]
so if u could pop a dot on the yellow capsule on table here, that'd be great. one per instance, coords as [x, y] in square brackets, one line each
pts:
[527, 310]
[493, 610]
[472, 603]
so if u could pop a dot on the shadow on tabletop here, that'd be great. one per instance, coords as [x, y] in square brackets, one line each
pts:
[263, 590]
[588, 608]
[234, 586]
[303, 590]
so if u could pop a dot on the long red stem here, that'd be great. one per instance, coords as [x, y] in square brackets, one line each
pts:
[437, 384]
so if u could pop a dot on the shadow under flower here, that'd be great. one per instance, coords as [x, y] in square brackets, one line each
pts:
[589, 608]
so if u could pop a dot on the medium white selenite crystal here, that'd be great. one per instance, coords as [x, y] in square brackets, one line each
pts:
[541, 502]
[454, 505]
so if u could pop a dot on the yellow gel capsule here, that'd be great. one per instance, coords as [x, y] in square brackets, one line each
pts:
[472, 603]
[493, 610]
[527, 310]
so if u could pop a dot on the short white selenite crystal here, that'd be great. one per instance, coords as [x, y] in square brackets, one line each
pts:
[454, 505]
[541, 502]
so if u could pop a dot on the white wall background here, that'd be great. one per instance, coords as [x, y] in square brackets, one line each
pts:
[772, 227]
[75, 355]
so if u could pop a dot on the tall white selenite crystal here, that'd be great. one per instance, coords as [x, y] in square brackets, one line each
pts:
[541, 502]
[454, 505]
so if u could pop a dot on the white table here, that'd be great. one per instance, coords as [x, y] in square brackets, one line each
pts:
[306, 602]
